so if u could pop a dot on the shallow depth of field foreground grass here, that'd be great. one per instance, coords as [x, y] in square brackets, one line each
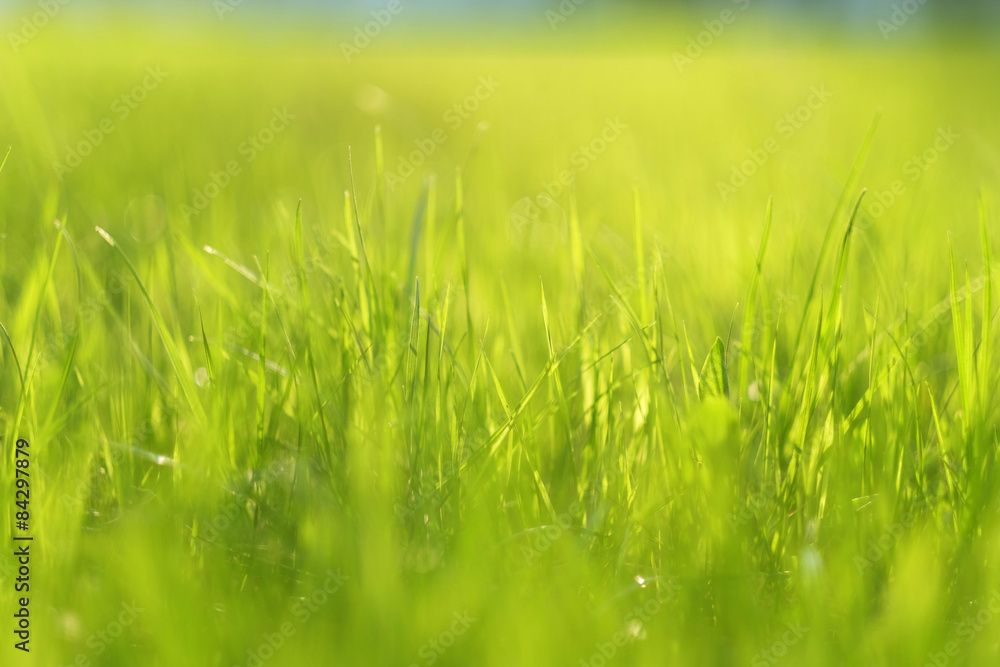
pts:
[301, 391]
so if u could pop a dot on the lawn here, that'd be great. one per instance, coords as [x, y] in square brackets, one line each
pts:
[515, 351]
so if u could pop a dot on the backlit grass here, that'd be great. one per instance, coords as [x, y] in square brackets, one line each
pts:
[625, 366]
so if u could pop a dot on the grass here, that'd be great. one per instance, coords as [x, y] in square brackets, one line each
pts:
[340, 414]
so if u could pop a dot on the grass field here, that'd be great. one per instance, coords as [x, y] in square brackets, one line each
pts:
[501, 353]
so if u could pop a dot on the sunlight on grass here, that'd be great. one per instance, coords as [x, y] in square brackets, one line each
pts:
[502, 357]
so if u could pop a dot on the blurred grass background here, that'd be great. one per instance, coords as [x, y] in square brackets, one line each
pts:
[329, 438]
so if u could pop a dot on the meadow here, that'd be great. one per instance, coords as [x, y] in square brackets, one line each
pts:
[511, 351]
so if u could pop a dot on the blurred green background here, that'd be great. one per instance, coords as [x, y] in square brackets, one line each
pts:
[358, 480]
